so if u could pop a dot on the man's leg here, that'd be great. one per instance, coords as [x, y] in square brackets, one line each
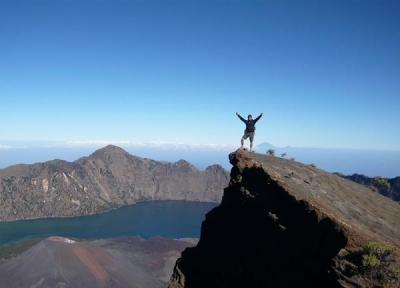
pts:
[244, 137]
[251, 136]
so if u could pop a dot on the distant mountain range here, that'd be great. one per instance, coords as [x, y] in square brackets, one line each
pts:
[385, 186]
[108, 178]
[346, 161]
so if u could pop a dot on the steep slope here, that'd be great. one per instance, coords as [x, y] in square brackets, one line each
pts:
[121, 262]
[108, 178]
[285, 224]
[389, 187]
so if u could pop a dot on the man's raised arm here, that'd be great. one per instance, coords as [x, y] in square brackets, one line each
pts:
[240, 117]
[258, 118]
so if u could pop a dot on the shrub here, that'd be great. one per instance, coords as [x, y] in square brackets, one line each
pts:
[381, 183]
[377, 263]
[369, 261]
[271, 152]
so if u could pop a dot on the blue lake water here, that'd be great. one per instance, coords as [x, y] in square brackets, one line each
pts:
[171, 219]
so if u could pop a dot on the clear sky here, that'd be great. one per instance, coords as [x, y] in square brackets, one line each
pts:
[325, 73]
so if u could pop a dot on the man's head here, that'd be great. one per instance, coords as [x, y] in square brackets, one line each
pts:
[249, 117]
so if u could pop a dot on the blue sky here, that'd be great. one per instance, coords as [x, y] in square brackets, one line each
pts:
[325, 73]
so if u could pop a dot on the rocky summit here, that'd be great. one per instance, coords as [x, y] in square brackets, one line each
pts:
[109, 178]
[285, 224]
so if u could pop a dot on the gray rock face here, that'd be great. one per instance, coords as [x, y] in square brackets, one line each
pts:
[109, 178]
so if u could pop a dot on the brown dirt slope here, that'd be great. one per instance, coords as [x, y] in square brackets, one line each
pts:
[359, 210]
[121, 262]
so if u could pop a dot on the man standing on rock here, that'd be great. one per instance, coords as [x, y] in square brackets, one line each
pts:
[250, 129]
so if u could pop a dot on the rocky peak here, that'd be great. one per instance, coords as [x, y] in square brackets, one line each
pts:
[109, 151]
[184, 166]
[214, 168]
[285, 224]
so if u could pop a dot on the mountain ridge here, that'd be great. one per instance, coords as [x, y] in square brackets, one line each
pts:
[108, 178]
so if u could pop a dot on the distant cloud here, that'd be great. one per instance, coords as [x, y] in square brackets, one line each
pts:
[92, 143]
[154, 144]
[4, 147]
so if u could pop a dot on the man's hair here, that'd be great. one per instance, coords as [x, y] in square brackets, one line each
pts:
[248, 116]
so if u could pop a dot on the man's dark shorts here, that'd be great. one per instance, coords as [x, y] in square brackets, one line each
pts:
[248, 135]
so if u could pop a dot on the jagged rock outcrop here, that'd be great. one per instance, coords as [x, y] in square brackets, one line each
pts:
[108, 178]
[285, 224]
[389, 187]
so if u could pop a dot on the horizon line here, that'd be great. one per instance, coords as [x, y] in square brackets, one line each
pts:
[165, 145]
